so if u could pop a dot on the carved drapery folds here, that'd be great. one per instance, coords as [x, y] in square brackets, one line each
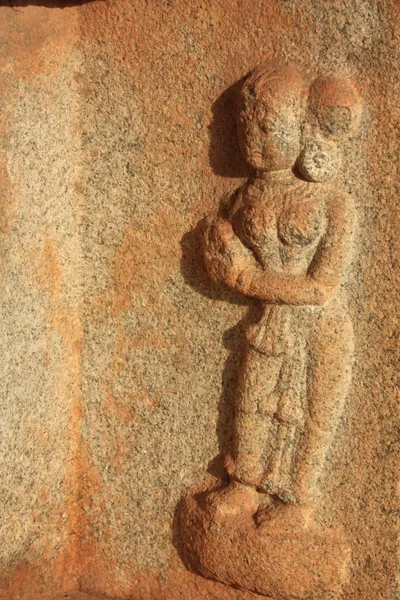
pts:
[285, 238]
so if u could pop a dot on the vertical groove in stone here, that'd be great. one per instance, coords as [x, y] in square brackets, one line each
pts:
[40, 327]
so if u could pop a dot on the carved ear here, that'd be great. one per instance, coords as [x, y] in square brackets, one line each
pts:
[336, 104]
[319, 160]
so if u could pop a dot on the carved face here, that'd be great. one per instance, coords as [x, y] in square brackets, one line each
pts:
[269, 118]
[269, 136]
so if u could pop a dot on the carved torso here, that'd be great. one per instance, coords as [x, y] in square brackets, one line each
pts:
[282, 222]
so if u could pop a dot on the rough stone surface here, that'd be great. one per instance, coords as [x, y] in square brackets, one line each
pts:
[273, 559]
[119, 354]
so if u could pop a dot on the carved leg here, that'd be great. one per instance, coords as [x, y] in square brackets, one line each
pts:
[329, 376]
[280, 477]
[255, 425]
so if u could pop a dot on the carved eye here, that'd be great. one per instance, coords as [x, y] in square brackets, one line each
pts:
[242, 118]
[269, 120]
[267, 125]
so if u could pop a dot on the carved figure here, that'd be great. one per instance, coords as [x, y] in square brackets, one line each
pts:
[287, 242]
[286, 239]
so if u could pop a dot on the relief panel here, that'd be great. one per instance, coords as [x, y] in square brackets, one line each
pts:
[285, 239]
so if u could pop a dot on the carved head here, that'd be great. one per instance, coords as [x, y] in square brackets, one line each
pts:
[334, 114]
[271, 108]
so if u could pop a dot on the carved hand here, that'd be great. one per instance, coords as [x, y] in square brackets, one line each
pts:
[228, 261]
[226, 258]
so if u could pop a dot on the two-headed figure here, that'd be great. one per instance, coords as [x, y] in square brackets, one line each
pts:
[286, 239]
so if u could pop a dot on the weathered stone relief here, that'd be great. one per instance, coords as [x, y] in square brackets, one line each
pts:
[285, 239]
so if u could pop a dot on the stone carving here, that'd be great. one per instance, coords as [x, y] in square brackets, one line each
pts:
[285, 239]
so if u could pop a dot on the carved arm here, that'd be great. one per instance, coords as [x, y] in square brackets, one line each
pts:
[229, 261]
[225, 257]
[325, 271]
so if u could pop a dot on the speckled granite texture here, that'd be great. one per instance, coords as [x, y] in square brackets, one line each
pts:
[119, 355]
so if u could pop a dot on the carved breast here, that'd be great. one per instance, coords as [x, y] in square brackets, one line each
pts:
[300, 221]
[256, 219]
[271, 220]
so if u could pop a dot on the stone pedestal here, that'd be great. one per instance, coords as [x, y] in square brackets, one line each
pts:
[282, 557]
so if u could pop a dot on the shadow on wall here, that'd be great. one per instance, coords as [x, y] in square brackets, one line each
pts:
[226, 161]
[16, 4]
[225, 156]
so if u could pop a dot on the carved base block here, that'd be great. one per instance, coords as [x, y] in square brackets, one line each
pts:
[282, 557]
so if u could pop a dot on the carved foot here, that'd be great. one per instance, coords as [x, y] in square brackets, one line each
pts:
[286, 518]
[235, 500]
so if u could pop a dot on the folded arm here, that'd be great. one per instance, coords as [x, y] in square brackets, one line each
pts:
[229, 261]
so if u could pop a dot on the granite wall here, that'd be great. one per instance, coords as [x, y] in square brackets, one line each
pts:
[119, 355]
